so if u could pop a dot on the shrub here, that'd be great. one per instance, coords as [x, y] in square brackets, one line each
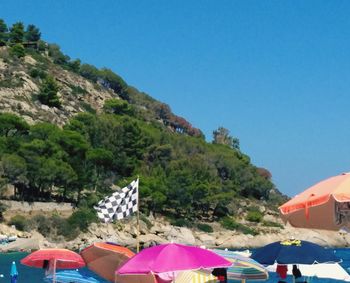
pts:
[37, 73]
[247, 230]
[19, 221]
[42, 224]
[117, 106]
[64, 228]
[82, 218]
[229, 223]
[87, 107]
[205, 228]
[11, 83]
[54, 227]
[17, 50]
[254, 215]
[272, 224]
[181, 222]
[76, 90]
[56, 54]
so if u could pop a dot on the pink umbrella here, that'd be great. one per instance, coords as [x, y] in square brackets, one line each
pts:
[172, 258]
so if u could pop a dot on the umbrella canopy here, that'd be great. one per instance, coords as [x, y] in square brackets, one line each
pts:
[105, 258]
[293, 252]
[63, 258]
[243, 267]
[13, 273]
[67, 276]
[171, 258]
[325, 205]
[321, 270]
[195, 277]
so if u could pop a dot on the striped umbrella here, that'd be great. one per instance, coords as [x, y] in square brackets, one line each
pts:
[68, 276]
[195, 277]
[243, 268]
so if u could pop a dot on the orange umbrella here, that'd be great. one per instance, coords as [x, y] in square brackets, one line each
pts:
[105, 258]
[326, 205]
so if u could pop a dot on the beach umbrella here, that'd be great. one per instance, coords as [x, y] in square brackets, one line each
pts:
[195, 277]
[243, 268]
[293, 252]
[325, 205]
[321, 270]
[52, 259]
[13, 273]
[76, 276]
[104, 258]
[172, 258]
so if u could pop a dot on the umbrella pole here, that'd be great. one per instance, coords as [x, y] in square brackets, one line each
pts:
[138, 218]
[54, 271]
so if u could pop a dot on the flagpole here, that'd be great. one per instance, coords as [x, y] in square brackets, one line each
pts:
[138, 218]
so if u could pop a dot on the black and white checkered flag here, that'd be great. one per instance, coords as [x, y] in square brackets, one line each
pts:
[120, 204]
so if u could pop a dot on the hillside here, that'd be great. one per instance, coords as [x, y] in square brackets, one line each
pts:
[70, 132]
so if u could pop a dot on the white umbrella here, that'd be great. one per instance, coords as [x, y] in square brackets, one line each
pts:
[320, 270]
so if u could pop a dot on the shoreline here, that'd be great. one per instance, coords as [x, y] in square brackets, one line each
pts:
[162, 232]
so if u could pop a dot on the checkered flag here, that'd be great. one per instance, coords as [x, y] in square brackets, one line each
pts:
[120, 204]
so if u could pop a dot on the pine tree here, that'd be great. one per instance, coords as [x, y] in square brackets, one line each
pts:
[32, 34]
[17, 33]
[3, 32]
[48, 92]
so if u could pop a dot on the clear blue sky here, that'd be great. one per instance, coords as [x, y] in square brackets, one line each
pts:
[275, 73]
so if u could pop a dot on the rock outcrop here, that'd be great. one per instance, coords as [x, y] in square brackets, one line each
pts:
[162, 232]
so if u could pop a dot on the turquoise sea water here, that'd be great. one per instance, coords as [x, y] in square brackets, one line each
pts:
[36, 275]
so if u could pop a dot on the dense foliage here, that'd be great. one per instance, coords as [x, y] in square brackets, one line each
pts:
[179, 175]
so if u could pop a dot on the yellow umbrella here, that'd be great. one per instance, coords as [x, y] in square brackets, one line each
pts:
[195, 277]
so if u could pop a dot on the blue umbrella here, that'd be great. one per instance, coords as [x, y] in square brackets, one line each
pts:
[13, 273]
[67, 276]
[294, 252]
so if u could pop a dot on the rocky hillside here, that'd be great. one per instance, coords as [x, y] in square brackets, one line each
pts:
[70, 132]
[20, 80]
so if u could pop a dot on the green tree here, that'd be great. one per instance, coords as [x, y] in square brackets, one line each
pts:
[117, 106]
[17, 50]
[90, 72]
[75, 146]
[17, 33]
[101, 160]
[32, 34]
[48, 92]
[74, 65]
[12, 125]
[111, 80]
[55, 172]
[56, 54]
[15, 170]
[42, 45]
[3, 32]
[43, 131]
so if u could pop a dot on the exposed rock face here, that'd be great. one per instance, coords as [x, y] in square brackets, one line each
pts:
[18, 96]
[161, 232]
